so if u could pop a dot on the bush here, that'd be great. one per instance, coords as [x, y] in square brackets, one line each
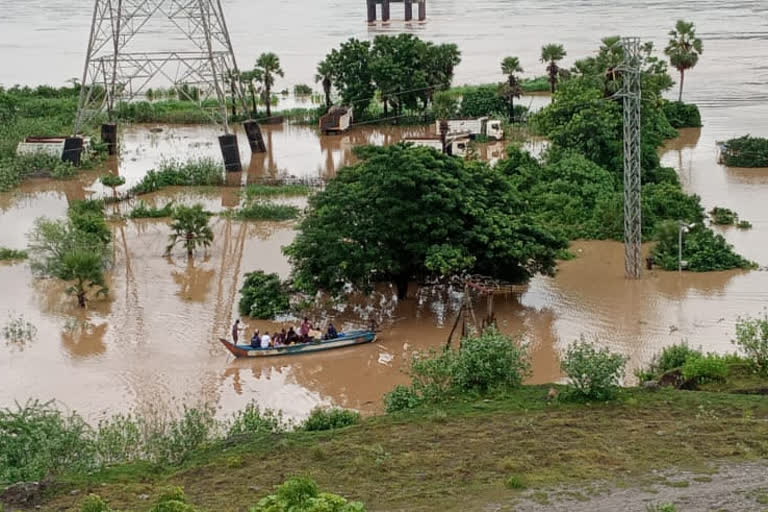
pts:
[723, 216]
[483, 100]
[288, 190]
[746, 151]
[303, 495]
[12, 254]
[744, 224]
[682, 115]
[594, 372]
[703, 250]
[330, 419]
[265, 210]
[490, 360]
[752, 340]
[94, 503]
[144, 211]
[203, 171]
[705, 368]
[172, 499]
[515, 482]
[674, 356]
[252, 420]
[402, 398]
[302, 90]
[264, 296]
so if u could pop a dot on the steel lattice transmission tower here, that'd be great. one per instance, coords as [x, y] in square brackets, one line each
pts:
[633, 236]
[123, 58]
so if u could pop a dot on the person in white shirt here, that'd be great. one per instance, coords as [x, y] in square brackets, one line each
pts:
[265, 340]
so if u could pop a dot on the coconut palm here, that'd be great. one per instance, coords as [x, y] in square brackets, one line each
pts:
[190, 228]
[252, 79]
[85, 269]
[325, 76]
[269, 65]
[683, 49]
[512, 88]
[552, 53]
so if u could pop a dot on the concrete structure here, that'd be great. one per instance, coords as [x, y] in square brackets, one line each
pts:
[385, 9]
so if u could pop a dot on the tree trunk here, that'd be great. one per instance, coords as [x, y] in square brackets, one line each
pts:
[327, 90]
[512, 108]
[401, 282]
[253, 100]
[268, 100]
[232, 89]
[81, 299]
[682, 79]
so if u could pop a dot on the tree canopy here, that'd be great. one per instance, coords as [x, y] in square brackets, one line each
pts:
[406, 213]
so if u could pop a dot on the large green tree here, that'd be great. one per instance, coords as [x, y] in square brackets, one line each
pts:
[350, 67]
[552, 54]
[405, 213]
[511, 89]
[268, 64]
[190, 228]
[683, 49]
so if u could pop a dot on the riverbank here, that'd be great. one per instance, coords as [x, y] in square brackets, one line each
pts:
[467, 455]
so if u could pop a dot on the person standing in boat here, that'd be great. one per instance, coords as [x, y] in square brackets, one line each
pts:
[235, 331]
[304, 329]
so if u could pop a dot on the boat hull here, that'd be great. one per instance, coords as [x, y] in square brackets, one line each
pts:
[348, 340]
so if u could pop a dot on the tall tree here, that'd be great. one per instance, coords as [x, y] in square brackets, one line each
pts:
[552, 54]
[512, 89]
[324, 75]
[683, 49]
[269, 66]
[406, 213]
[190, 228]
[252, 79]
[350, 66]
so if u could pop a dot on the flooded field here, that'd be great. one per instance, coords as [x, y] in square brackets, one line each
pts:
[153, 341]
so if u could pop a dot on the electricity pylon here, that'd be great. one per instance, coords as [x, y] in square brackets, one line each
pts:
[120, 65]
[633, 233]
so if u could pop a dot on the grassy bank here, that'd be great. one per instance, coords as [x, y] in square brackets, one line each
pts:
[442, 458]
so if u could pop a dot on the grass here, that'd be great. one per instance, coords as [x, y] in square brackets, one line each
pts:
[265, 210]
[284, 190]
[408, 461]
[12, 254]
[144, 211]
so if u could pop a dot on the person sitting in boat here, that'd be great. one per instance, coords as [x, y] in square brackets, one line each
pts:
[291, 337]
[256, 339]
[276, 339]
[304, 329]
[332, 333]
[283, 337]
[265, 339]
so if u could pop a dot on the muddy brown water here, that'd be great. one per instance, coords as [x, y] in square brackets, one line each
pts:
[152, 343]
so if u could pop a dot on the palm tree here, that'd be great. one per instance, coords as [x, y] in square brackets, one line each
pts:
[552, 53]
[269, 65]
[190, 227]
[683, 49]
[325, 75]
[85, 269]
[511, 89]
[252, 78]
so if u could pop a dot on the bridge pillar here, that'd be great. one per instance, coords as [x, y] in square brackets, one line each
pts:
[422, 10]
[385, 11]
[371, 11]
[408, 10]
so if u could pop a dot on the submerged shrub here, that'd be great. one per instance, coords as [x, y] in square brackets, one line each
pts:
[682, 115]
[752, 340]
[202, 171]
[303, 495]
[746, 151]
[253, 420]
[723, 216]
[594, 372]
[266, 210]
[144, 211]
[12, 254]
[329, 419]
[263, 296]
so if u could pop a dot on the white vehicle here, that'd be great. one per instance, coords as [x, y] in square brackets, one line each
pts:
[455, 146]
[490, 128]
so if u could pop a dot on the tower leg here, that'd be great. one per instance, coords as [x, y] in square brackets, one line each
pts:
[371, 11]
[73, 150]
[109, 137]
[255, 138]
[230, 152]
[408, 10]
[422, 10]
[385, 11]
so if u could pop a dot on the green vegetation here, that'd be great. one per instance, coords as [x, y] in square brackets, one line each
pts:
[482, 101]
[701, 369]
[144, 211]
[409, 212]
[723, 216]
[190, 227]
[752, 340]
[12, 254]
[403, 71]
[683, 49]
[18, 332]
[746, 151]
[682, 115]
[511, 89]
[703, 250]
[330, 419]
[302, 90]
[303, 495]
[286, 190]
[594, 373]
[267, 210]
[112, 181]
[489, 362]
[670, 358]
[324, 76]
[551, 54]
[75, 250]
[266, 69]
[203, 171]
[264, 296]
[744, 224]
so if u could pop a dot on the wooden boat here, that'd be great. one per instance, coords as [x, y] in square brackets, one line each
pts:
[346, 339]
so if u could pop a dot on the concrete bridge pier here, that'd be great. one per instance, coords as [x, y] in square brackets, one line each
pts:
[408, 10]
[422, 10]
[385, 11]
[371, 11]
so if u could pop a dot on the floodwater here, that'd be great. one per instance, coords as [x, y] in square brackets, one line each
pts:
[153, 341]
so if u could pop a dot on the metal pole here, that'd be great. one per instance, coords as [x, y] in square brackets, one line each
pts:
[236, 70]
[116, 38]
[680, 247]
[82, 99]
[217, 85]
